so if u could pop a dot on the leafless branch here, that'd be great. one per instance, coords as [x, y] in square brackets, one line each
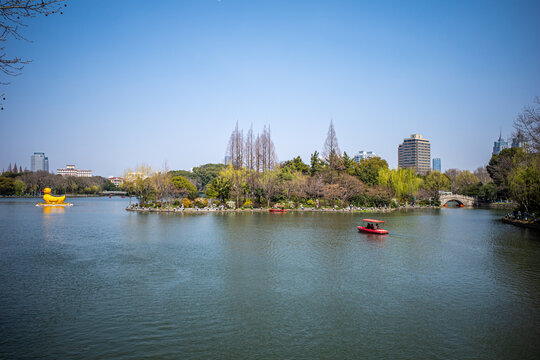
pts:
[12, 16]
[527, 125]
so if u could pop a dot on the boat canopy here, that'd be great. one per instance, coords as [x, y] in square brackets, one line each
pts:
[374, 221]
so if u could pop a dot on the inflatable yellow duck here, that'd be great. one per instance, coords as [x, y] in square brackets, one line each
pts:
[52, 200]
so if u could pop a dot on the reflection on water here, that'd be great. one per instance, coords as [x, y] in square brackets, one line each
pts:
[47, 210]
[93, 281]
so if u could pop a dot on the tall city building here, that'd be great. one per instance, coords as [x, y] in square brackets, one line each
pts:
[364, 155]
[520, 141]
[39, 162]
[437, 164]
[499, 145]
[415, 153]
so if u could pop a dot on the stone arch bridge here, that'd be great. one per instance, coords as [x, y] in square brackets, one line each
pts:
[460, 199]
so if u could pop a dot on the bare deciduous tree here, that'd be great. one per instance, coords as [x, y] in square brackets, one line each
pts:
[257, 154]
[269, 182]
[269, 154]
[331, 152]
[263, 148]
[162, 185]
[351, 186]
[249, 151]
[332, 192]
[527, 125]
[452, 174]
[235, 149]
[482, 174]
[12, 16]
[313, 187]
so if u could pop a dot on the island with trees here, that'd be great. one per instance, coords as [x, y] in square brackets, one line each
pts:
[254, 179]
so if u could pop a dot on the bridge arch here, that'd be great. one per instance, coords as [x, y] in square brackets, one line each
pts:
[460, 199]
[451, 200]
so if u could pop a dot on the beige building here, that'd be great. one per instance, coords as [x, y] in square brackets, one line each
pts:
[415, 153]
[70, 170]
[116, 180]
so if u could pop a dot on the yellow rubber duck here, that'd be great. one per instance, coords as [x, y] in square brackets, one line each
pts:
[49, 199]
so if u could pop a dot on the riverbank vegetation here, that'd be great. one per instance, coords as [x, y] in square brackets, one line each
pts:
[28, 183]
[254, 178]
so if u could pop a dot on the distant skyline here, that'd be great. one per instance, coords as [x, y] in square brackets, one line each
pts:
[112, 85]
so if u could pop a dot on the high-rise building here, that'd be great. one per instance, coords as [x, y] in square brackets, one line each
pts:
[364, 155]
[39, 162]
[227, 160]
[415, 153]
[519, 141]
[499, 145]
[437, 164]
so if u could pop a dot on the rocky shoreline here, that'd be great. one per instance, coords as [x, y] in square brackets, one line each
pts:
[521, 223]
[264, 210]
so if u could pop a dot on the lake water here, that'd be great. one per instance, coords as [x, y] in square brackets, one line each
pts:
[97, 282]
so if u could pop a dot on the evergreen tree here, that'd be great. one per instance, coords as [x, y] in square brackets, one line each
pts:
[316, 164]
[15, 168]
[348, 163]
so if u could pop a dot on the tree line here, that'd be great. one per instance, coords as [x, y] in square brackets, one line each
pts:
[28, 183]
[254, 178]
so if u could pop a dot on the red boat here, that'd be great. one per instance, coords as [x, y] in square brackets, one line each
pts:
[373, 227]
[282, 210]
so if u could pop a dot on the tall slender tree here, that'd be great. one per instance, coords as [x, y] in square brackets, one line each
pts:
[235, 149]
[249, 151]
[331, 152]
[264, 149]
[270, 150]
[258, 154]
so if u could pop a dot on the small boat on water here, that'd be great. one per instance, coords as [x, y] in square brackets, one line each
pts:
[373, 227]
[278, 210]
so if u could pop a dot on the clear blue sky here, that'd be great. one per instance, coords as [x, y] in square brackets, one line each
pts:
[117, 83]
